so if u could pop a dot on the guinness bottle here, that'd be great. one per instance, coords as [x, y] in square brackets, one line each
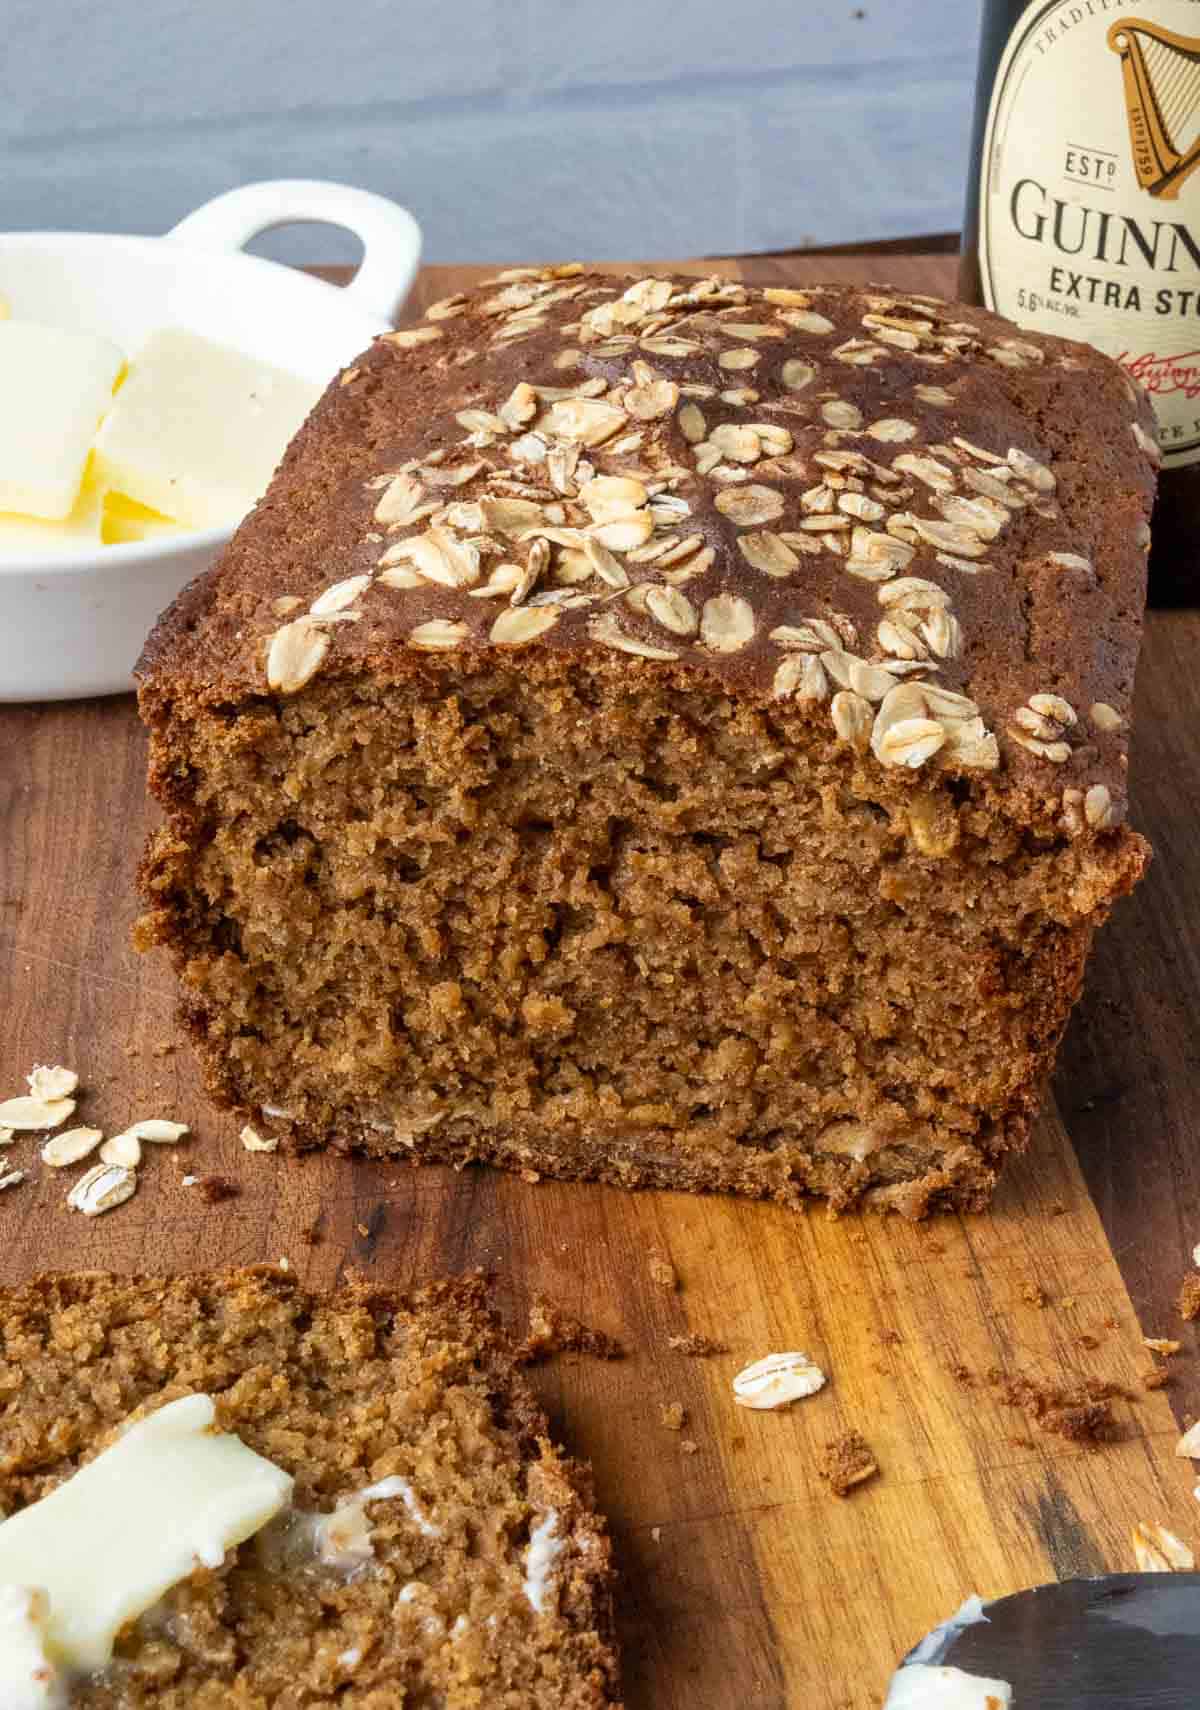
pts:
[1083, 211]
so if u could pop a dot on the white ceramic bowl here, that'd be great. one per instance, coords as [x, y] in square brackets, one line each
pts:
[74, 624]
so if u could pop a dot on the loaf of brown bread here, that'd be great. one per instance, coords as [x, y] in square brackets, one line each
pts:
[663, 731]
[439, 1550]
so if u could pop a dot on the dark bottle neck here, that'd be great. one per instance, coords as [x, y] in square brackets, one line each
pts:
[999, 19]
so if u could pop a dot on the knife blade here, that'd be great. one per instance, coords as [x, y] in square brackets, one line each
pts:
[1120, 1642]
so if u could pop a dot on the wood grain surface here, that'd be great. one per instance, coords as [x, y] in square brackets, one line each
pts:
[745, 1581]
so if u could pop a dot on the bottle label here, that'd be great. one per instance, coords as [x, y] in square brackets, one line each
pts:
[1090, 197]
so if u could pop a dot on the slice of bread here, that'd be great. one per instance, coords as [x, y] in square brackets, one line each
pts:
[483, 1577]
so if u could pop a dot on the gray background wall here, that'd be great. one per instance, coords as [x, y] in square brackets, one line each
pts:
[512, 128]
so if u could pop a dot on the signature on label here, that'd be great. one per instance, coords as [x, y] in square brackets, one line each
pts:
[1162, 376]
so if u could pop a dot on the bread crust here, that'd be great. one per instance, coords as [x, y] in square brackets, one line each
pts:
[1030, 623]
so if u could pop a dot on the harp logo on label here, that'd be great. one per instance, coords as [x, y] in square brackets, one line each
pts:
[1160, 70]
[1090, 199]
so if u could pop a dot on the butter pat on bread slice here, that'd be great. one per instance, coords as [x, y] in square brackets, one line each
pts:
[171, 1492]
[197, 429]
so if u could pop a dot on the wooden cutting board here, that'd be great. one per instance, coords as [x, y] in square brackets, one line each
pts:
[745, 1582]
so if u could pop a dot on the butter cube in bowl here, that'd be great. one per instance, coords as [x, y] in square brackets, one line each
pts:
[197, 429]
[148, 389]
[55, 387]
[25, 536]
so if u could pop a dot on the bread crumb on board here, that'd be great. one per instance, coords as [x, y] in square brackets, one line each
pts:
[213, 1189]
[1080, 1412]
[846, 1462]
[672, 1414]
[697, 1347]
[553, 1331]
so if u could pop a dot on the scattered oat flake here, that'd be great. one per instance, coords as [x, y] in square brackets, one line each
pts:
[6, 1136]
[124, 1149]
[1196, 1255]
[158, 1130]
[1161, 1345]
[52, 1083]
[11, 1178]
[188, 1181]
[253, 1141]
[285, 1264]
[1156, 1550]
[1189, 1443]
[102, 1188]
[71, 1146]
[34, 1113]
[672, 1415]
[1189, 1293]
[656, 1533]
[776, 1380]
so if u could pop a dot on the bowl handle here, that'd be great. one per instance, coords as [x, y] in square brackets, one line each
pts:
[391, 238]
